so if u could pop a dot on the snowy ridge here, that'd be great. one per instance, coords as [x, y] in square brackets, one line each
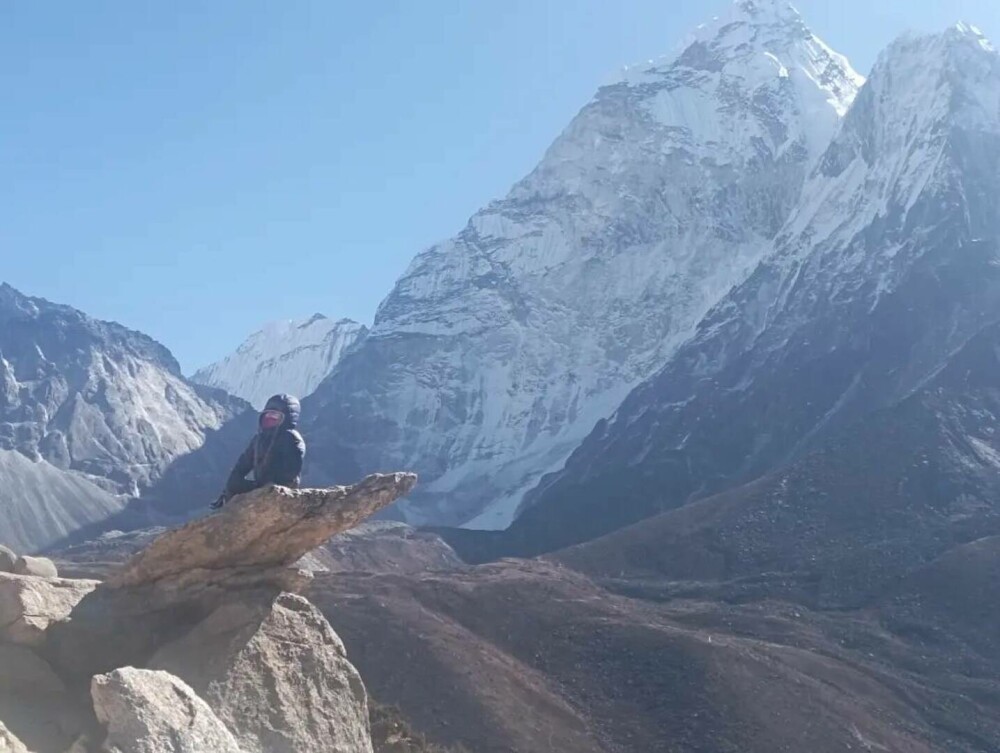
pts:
[898, 143]
[752, 43]
[498, 350]
[885, 270]
[287, 356]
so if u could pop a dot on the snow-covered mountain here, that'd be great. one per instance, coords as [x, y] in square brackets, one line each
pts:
[498, 350]
[886, 270]
[90, 414]
[286, 356]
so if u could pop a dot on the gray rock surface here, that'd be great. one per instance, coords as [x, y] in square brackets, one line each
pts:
[269, 528]
[241, 554]
[278, 677]
[146, 711]
[29, 605]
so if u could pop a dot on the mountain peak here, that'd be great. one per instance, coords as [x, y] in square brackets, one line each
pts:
[13, 299]
[284, 356]
[961, 38]
[760, 64]
[317, 317]
[967, 32]
[759, 41]
[764, 12]
[750, 22]
[926, 79]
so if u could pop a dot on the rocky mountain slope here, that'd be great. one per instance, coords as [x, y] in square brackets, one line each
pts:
[498, 350]
[90, 414]
[846, 524]
[885, 272]
[288, 356]
[527, 656]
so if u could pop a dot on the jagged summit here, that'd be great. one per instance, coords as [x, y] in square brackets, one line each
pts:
[762, 61]
[930, 101]
[285, 356]
[954, 72]
[37, 324]
[747, 19]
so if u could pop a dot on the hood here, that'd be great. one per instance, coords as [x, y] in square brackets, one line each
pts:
[289, 406]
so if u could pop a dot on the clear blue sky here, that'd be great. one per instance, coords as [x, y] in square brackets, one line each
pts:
[193, 169]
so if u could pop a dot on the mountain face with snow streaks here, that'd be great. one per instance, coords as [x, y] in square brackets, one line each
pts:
[889, 266]
[500, 349]
[284, 357]
[90, 414]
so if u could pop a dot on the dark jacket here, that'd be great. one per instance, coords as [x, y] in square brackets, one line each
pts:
[274, 456]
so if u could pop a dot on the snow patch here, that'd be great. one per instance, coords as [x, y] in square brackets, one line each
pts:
[288, 356]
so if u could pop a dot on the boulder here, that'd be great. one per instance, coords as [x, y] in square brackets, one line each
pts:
[146, 711]
[8, 559]
[240, 555]
[38, 566]
[9, 743]
[29, 605]
[277, 676]
[269, 528]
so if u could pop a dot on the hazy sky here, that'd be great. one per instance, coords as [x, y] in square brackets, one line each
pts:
[193, 169]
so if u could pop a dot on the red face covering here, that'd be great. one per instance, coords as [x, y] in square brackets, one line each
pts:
[271, 419]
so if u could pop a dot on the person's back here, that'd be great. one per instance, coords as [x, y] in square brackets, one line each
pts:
[274, 455]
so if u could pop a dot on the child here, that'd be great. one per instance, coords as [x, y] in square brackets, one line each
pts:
[275, 454]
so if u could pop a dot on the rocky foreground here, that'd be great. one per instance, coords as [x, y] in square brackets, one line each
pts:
[200, 643]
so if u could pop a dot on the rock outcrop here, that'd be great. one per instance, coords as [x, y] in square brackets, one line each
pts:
[196, 644]
[29, 605]
[154, 712]
[242, 554]
[269, 528]
[277, 676]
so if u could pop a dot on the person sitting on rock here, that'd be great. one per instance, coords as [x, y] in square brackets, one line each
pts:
[275, 454]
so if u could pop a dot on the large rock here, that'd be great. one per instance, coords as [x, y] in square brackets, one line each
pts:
[29, 605]
[37, 566]
[239, 555]
[277, 676]
[9, 743]
[271, 527]
[154, 712]
[8, 559]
